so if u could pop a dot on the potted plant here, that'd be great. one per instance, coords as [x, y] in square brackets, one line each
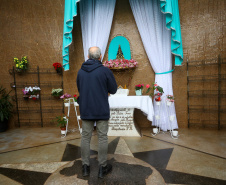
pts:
[58, 67]
[5, 109]
[25, 94]
[36, 91]
[21, 65]
[169, 100]
[158, 92]
[75, 100]
[66, 99]
[62, 123]
[139, 89]
[57, 93]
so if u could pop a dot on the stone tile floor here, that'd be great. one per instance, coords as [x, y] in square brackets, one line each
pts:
[40, 156]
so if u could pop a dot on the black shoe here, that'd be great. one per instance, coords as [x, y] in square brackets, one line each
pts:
[85, 170]
[104, 170]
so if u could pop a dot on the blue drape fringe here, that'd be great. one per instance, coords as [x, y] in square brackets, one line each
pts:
[168, 7]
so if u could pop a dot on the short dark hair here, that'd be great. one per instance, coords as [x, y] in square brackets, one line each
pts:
[94, 53]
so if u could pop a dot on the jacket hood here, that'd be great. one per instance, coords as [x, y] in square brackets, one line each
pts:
[91, 65]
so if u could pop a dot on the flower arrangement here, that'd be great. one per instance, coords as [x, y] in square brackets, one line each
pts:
[57, 92]
[170, 98]
[120, 63]
[21, 65]
[139, 86]
[75, 97]
[65, 97]
[25, 93]
[61, 121]
[158, 91]
[36, 90]
[31, 92]
[58, 67]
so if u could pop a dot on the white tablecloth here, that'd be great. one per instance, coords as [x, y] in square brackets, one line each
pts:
[144, 103]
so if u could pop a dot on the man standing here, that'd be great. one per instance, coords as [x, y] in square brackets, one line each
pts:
[94, 82]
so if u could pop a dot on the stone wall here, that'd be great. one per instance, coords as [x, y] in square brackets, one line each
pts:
[34, 29]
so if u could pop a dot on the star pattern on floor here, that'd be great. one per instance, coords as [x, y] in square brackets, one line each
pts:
[38, 173]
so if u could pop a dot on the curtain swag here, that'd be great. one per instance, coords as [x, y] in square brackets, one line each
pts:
[168, 7]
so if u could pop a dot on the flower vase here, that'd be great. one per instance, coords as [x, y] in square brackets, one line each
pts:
[57, 97]
[19, 71]
[155, 130]
[169, 103]
[158, 103]
[175, 133]
[26, 97]
[59, 70]
[75, 104]
[139, 92]
[63, 130]
[66, 104]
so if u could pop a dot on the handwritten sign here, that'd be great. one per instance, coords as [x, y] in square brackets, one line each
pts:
[121, 123]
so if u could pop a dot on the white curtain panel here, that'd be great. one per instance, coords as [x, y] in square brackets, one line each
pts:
[157, 43]
[96, 20]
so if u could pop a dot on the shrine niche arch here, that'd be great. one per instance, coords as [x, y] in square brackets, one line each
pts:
[119, 48]
[124, 43]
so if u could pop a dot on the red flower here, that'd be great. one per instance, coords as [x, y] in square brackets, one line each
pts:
[139, 85]
[158, 99]
[57, 65]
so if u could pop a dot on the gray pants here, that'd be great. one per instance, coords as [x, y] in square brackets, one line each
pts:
[102, 130]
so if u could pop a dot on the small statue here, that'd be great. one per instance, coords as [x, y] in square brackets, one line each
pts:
[119, 53]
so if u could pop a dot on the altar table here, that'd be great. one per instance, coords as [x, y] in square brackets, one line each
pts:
[121, 122]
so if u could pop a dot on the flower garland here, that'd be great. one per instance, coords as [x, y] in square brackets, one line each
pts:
[120, 63]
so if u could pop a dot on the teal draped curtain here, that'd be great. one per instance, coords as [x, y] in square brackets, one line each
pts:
[168, 7]
[171, 10]
[70, 11]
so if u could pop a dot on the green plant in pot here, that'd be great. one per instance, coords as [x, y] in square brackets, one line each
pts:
[57, 93]
[5, 109]
[62, 122]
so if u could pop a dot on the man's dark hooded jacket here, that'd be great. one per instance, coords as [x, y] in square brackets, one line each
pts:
[94, 82]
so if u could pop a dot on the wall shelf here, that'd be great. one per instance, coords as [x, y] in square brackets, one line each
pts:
[44, 84]
[206, 93]
[208, 108]
[207, 78]
[34, 71]
[26, 108]
[210, 93]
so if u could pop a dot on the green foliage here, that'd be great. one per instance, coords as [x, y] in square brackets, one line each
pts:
[5, 105]
[160, 89]
[21, 64]
[156, 89]
[57, 92]
[61, 121]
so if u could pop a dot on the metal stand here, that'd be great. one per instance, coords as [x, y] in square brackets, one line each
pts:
[171, 118]
[68, 105]
[157, 118]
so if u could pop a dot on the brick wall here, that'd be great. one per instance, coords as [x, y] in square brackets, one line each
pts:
[34, 28]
